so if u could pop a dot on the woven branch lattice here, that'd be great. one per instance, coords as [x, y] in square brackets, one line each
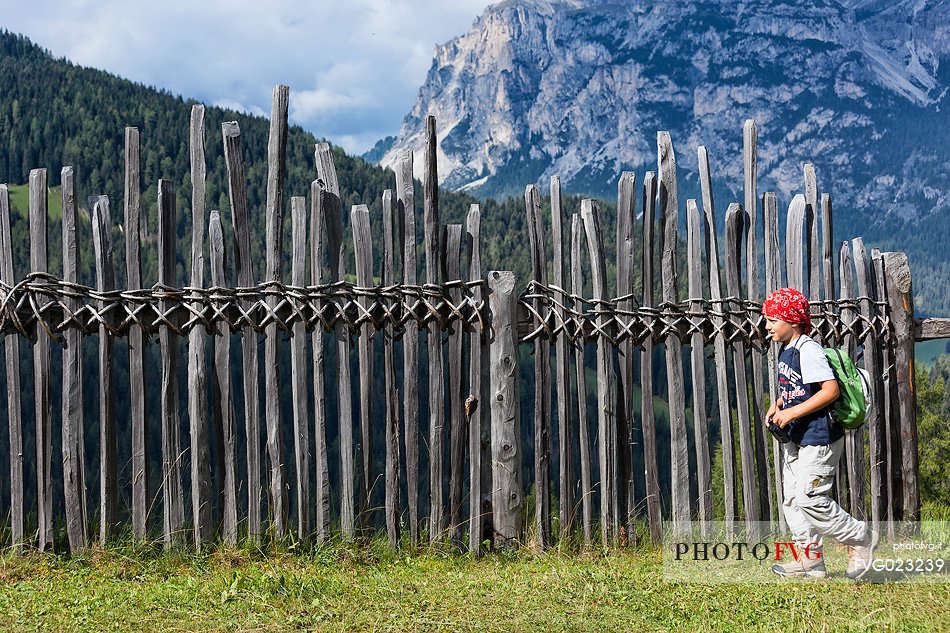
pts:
[46, 302]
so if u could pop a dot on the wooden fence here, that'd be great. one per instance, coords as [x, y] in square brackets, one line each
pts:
[474, 326]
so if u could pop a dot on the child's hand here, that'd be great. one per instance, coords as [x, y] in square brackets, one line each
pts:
[773, 409]
[783, 417]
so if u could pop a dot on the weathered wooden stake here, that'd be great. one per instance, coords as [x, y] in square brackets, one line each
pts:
[298, 368]
[173, 510]
[405, 198]
[760, 435]
[507, 498]
[626, 212]
[773, 281]
[698, 365]
[854, 440]
[577, 289]
[276, 152]
[719, 343]
[197, 344]
[221, 388]
[390, 240]
[562, 372]
[793, 243]
[811, 232]
[900, 300]
[105, 282]
[452, 251]
[321, 517]
[436, 374]
[477, 405]
[138, 420]
[872, 363]
[606, 415]
[542, 371]
[237, 191]
[363, 250]
[74, 460]
[750, 499]
[43, 416]
[11, 344]
[679, 450]
[647, 414]
[333, 218]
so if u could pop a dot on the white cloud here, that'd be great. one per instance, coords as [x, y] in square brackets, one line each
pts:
[354, 68]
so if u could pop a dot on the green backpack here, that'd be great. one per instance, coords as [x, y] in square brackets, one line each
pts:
[852, 405]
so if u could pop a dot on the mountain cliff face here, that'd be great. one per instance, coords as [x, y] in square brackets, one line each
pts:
[579, 88]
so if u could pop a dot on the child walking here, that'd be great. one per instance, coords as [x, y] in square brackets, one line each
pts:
[807, 389]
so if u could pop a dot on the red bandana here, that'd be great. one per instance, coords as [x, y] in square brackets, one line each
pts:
[790, 305]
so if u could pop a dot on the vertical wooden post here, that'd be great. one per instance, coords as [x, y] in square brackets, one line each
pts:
[507, 498]
[43, 417]
[321, 517]
[392, 397]
[811, 228]
[276, 152]
[647, 414]
[577, 288]
[237, 191]
[298, 367]
[542, 370]
[173, 511]
[773, 281]
[679, 456]
[74, 471]
[436, 378]
[900, 300]
[221, 388]
[405, 197]
[133, 270]
[793, 243]
[479, 429]
[719, 343]
[827, 249]
[105, 282]
[606, 415]
[760, 435]
[892, 478]
[854, 439]
[562, 372]
[11, 344]
[697, 364]
[197, 344]
[452, 270]
[626, 212]
[750, 499]
[872, 363]
[363, 250]
[333, 217]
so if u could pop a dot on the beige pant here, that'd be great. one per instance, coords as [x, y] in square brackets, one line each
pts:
[811, 513]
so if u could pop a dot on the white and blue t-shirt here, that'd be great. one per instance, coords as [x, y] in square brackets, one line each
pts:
[802, 367]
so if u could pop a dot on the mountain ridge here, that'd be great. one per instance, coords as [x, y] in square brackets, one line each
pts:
[579, 89]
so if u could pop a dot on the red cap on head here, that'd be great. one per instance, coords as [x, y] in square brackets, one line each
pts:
[790, 305]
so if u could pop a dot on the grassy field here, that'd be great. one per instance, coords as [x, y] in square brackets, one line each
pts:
[20, 200]
[370, 588]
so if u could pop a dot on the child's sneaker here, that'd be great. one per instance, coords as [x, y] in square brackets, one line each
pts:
[804, 566]
[860, 557]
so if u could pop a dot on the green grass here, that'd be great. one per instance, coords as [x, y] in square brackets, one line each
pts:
[368, 587]
[20, 200]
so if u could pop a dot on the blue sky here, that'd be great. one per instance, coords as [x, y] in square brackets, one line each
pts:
[354, 68]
